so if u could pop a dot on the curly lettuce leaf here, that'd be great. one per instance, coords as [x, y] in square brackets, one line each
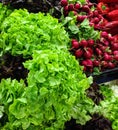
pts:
[23, 32]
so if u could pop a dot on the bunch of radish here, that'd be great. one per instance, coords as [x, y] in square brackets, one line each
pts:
[101, 54]
[82, 11]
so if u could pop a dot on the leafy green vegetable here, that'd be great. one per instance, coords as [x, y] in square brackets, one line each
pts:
[55, 93]
[109, 106]
[23, 32]
[87, 32]
[4, 12]
[9, 90]
[80, 31]
[1, 111]
[61, 84]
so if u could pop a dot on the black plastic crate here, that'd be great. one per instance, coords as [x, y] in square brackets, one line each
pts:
[106, 76]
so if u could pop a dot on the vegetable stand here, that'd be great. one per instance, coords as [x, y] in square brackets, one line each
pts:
[56, 56]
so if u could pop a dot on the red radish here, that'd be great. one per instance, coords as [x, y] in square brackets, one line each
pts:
[85, 8]
[64, 3]
[106, 43]
[97, 26]
[102, 47]
[96, 20]
[115, 38]
[91, 24]
[66, 9]
[84, 62]
[96, 63]
[104, 64]
[101, 17]
[110, 38]
[87, 54]
[71, 7]
[91, 14]
[75, 44]
[81, 18]
[89, 49]
[83, 43]
[107, 57]
[75, 13]
[78, 53]
[116, 57]
[103, 22]
[95, 13]
[111, 65]
[115, 52]
[98, 51]
[92, 20]
[90, 4]
[115, 46]
[90, 42]
[77, 6]
[89, 63]
[104, 34]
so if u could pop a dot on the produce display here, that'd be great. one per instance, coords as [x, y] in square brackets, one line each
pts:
[93, 45]
[48, 52]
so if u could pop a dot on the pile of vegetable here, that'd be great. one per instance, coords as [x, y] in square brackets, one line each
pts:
[55, 84]
[44, 62]
[55, 93]
[93, 46]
